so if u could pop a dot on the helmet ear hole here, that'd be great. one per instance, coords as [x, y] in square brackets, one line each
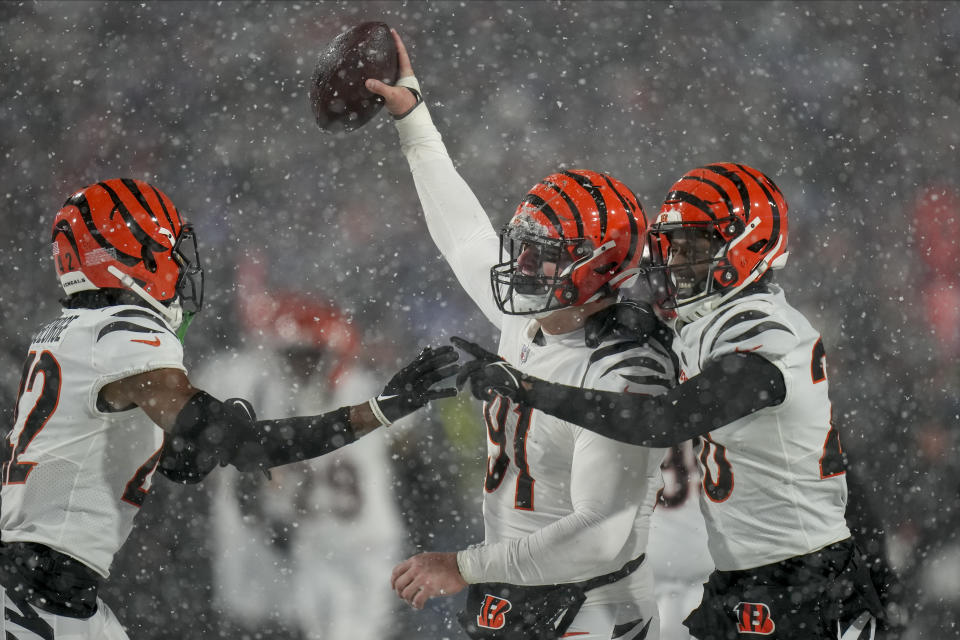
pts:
[758, 246]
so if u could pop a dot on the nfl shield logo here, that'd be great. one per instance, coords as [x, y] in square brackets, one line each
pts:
[524, 353]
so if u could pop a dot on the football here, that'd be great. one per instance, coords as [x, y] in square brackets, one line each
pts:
[338, 98]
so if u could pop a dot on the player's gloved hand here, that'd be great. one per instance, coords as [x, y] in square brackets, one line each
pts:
[409, 389]
[631, 319]
[488, 374]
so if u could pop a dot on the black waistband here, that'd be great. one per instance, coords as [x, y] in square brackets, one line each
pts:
[619, 574]
[827, 561]
[48, 579]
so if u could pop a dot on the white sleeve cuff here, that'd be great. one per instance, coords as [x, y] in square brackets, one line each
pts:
[417, 124]
[469, 565]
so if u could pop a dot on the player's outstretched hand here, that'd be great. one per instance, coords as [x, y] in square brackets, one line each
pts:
[409, 389]
[399, 99]
[425, 576]
[488, 374]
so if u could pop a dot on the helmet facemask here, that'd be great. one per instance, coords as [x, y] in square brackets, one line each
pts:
[189, 286]
[533, 275]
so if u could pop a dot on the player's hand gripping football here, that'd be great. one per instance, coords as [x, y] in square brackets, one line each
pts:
[405, 95]
[409, 389]
[488, 374]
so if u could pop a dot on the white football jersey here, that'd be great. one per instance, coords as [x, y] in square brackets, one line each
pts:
[773, 482]
[77, 473]
[545, 475]
[557, 498]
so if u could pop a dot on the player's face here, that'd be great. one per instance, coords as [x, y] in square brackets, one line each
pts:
[537, 263]
[690, 255]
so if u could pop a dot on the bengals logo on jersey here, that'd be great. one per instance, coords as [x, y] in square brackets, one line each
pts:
[754, 617]
[493, 612]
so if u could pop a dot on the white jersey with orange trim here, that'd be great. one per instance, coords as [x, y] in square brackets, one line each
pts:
[77, 473]
[561, 504]
[773, 481]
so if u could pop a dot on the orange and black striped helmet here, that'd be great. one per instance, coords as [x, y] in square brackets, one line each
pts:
[576, 237]
[745, 215]
[126, 234]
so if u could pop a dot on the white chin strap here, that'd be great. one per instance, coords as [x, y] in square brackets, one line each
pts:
[172, 313]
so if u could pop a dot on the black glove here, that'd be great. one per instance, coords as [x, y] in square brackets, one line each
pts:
[409, 389]
[636, 320]
[489, 374]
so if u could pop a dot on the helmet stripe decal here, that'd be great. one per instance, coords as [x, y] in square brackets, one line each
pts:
[80, 202]
[566, 198]
[175, 225]
[763, 184]
[631, 220]
[541, 205]
[741, 187]
[150, 246]
[720, 190]
[141, 200]
[594, 193]
[692, 200]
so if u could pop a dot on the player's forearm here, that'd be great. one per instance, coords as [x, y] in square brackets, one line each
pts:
[726, 390]
[289, 440]
[574, 548]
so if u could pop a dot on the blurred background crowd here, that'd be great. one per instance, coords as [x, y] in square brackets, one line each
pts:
[317, 259]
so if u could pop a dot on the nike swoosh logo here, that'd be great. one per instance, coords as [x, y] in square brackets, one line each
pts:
[153, 343]
[739, 350]
[382, 398]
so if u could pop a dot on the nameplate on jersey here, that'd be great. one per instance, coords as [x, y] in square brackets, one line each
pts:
[51, 333]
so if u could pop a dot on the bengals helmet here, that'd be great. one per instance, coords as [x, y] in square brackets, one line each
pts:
[721, 227]
[576, 237]
[127, 234]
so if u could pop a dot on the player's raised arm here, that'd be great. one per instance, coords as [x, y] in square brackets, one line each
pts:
[457, 222]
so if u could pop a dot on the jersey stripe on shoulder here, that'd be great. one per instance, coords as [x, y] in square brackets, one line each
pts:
[739, 326]
[637, 361]
[611, 350]
[145, 321]
[633, 364]
[121, 325]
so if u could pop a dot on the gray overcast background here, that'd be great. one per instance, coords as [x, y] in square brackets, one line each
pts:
[852, 107]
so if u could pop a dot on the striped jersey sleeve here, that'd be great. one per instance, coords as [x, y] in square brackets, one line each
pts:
[131, 340]
[752, 327]
[645, 368]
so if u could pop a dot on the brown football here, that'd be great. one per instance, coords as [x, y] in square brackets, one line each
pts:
[339, 100]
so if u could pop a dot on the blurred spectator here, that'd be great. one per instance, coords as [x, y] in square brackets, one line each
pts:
[305, 553]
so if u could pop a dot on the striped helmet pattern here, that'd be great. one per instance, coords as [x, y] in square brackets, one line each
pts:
[746, 209]
[124, 223]
[596, 209]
